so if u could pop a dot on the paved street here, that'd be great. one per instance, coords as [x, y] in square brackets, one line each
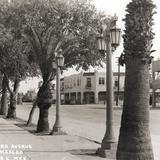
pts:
[94, 115]
[83, 120]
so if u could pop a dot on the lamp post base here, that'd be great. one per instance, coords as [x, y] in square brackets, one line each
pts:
[108, 152]
[58, 131]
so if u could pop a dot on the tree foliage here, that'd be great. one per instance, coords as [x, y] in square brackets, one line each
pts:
[14, 51]
[49, 26]
[53, 24]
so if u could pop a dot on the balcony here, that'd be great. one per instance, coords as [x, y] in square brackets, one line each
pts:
[88, 86]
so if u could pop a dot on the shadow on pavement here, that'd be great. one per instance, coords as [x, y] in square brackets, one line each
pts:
[30, 128]
[115, 108]
[87, 152]
[21, 123]
[96, 107]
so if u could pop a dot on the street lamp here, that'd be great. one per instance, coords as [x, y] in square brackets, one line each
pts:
[109, 41]
[60, 59]
[57, 128]
[115, 36]
[101, 43]
[54, 65]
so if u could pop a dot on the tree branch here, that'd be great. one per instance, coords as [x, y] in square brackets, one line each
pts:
[16, 85]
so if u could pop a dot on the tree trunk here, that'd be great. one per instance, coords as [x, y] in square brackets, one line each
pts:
[134, 139]
[13, 99]
[12, 106]
[4, 107]
[44, 101]
[43, 124]
[31, 113]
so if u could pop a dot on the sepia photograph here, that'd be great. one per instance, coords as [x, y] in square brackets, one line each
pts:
[79, 80]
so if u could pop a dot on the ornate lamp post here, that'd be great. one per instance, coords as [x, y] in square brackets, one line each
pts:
[108, 41]
[57, 128]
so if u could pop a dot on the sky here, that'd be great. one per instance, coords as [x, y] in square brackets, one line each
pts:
[111, 7]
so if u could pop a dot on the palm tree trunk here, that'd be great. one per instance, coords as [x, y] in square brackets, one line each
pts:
[44, 101]
[43, 124]
[4, 107]
[134, 139]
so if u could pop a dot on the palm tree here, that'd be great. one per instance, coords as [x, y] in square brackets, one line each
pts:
[58, 25]
[134, 139]
[44, 48]
[44, 58]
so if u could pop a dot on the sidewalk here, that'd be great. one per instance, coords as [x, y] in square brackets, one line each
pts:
[14, 140]
[16, 143]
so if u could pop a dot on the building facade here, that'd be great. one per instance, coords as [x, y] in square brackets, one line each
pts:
[155, 83]
[89, 87]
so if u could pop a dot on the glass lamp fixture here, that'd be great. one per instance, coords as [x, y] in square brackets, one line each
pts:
[101, 44]
[115, 36]
[54, 65]
[60, 60]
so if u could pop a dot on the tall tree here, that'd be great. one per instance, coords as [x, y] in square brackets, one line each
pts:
[54, 25]
[134, 139]
[5, 39]
[15, 69]
[15, 64]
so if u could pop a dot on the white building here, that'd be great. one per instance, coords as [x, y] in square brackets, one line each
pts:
[89, 87]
